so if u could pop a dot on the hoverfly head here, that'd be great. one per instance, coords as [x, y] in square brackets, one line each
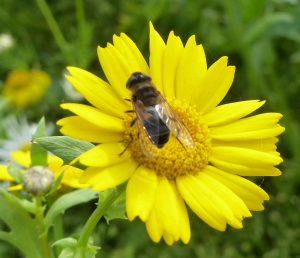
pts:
[137, 78]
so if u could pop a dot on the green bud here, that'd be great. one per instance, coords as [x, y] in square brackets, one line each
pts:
[38, 180]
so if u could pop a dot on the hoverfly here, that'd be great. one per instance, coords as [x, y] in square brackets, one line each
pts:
[154, 115]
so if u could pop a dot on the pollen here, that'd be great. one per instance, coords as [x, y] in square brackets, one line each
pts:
[173, 159]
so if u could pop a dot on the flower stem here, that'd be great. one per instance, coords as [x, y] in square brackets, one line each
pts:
[41, 226]
[53, 26]
[97, 215]
[58, 233]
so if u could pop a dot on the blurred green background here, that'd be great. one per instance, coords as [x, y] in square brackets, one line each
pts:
[261, 38]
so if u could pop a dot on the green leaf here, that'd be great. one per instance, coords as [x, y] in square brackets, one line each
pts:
[39, 154]
[56, 183]
[67, 201]
[72, 250]
[15, 173]
[117, 209]
[64, 147]
[23, 232]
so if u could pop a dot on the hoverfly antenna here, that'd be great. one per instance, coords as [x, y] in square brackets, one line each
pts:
[135, 78]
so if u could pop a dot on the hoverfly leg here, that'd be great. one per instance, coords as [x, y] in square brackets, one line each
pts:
[129, 111]
[133, 121]
[127, 145]
[126, 99]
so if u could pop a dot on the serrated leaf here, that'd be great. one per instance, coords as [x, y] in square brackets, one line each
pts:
[117, 209]
[39, 154]
[23, 231]
[67, 201]
[72, 250]
[64, 147]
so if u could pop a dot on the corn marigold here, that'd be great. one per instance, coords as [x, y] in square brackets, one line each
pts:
[24, 88]
[209, 177]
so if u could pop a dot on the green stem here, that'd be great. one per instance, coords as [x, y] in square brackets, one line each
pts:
[58, 232]
[53, 26]
[80, 20]
[83, 37]
[96, 216]
[41, 226]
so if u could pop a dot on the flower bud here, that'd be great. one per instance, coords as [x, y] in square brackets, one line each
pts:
[38, 180]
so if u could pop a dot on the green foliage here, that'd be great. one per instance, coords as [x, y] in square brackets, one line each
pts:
[15, 217]
[117, 210]
[70, 249]
[64, 147]
[38, 154]
[67, 201]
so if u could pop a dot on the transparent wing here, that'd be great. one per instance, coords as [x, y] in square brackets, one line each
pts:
[149, 120]
[147, 149]
[170, 118]
[150, 124]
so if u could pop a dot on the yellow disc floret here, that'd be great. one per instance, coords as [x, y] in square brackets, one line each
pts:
[173, 159]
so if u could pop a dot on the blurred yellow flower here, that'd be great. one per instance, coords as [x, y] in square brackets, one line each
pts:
[228, 144]
[70, 177]
[24, 88]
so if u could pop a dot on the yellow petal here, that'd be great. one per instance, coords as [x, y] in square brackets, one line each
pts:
[140, 193]
[191, 69]
[4, 175]
[169, 239]
[265, 145]
[104, 155]
[237, 206]
[15, 188]
[197, 198]
[252, 195]
[71, 176]
[228, 113]
[171, 210]
[97, 92]
[54, 163]
[131, 53]
[244, 170]
[168, 217]
[119, 61]
[153, 226]
[172, 55]
[157, 49]
[246, 157]
[255, 127]
[101, 179]
[96, 117]
[214, 85]
[115, 68]
[220, 206]
[79, 128]
[22, 158]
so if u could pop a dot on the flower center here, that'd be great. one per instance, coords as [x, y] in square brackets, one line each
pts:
[173, 159]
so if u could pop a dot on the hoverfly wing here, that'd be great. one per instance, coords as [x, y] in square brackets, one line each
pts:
[170, 118]
[146, 148]
[150, 123]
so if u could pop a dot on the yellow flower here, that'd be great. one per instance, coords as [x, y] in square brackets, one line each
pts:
[208, 178]
[24, 88]
[70, 177]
